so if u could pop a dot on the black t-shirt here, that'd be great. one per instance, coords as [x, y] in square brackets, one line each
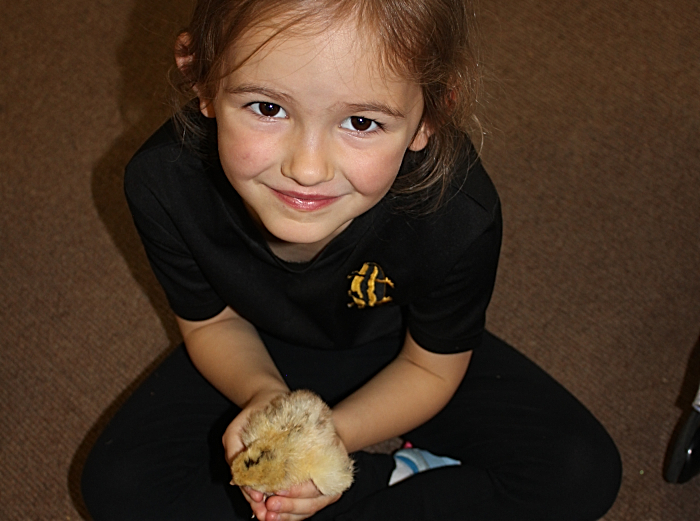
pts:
[388, 270]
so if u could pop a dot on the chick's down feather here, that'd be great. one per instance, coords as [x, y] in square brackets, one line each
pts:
[290, 441]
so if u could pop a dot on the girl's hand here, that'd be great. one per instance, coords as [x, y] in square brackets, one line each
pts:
[232, 436]
[299, 502]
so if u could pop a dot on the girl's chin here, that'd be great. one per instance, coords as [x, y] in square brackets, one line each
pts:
[308, 239]
[305, 234]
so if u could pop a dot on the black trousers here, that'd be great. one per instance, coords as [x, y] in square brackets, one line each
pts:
[529, 449]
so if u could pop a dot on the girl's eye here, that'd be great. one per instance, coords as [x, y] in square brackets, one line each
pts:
[360, 124]
[268, 110]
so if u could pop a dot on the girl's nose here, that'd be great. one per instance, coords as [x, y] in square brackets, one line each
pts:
[307, 160]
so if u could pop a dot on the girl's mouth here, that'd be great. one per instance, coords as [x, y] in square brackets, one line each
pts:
[305, 202]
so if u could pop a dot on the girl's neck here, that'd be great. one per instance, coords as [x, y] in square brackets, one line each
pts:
[293, 251]
[297, 252]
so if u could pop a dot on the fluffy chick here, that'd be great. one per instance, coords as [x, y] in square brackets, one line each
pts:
[290, 441]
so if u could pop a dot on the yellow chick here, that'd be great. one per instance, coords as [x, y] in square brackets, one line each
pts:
[290, 441]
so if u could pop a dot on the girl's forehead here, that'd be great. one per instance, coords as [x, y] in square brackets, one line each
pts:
[338, 44]
[328, 70]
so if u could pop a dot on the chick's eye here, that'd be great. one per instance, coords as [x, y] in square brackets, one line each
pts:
[360, 124]
[268, 110]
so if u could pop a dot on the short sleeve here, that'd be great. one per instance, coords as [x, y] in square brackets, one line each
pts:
[189, 293]
[451, 318]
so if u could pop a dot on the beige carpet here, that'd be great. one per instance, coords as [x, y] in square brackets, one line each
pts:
[593, 113]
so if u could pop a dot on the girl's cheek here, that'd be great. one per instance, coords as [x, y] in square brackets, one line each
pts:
[375, 173]
[248, 155]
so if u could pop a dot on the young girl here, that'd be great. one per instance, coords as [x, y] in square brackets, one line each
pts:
[321, 221]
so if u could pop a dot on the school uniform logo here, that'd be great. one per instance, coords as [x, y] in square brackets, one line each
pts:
[368, 286]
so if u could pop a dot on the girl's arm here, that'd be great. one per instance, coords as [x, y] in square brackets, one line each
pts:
[414, 387]
[228, 351]
[409, 391]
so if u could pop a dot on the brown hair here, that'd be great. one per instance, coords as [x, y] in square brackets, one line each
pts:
[431, 42]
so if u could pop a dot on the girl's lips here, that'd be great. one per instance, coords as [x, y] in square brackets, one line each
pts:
[305, 202]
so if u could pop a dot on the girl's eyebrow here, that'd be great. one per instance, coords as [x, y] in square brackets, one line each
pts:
[256, 89]
[372, 106]
[376, 107]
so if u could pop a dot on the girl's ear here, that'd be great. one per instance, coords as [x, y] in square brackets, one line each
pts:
[420, 140]
[183, 60]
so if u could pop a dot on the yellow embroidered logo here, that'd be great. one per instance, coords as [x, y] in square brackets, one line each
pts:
[368, 286]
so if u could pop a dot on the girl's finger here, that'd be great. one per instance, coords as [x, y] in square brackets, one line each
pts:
[302, 490]
[298, 508]
[253, 494]
[258, 507]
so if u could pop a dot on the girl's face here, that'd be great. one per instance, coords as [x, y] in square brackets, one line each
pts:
[312, 133]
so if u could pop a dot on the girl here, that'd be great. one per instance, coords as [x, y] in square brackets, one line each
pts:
[320, 220]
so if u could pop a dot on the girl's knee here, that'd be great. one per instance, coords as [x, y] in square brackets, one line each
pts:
[109, 485]
[587, 475]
